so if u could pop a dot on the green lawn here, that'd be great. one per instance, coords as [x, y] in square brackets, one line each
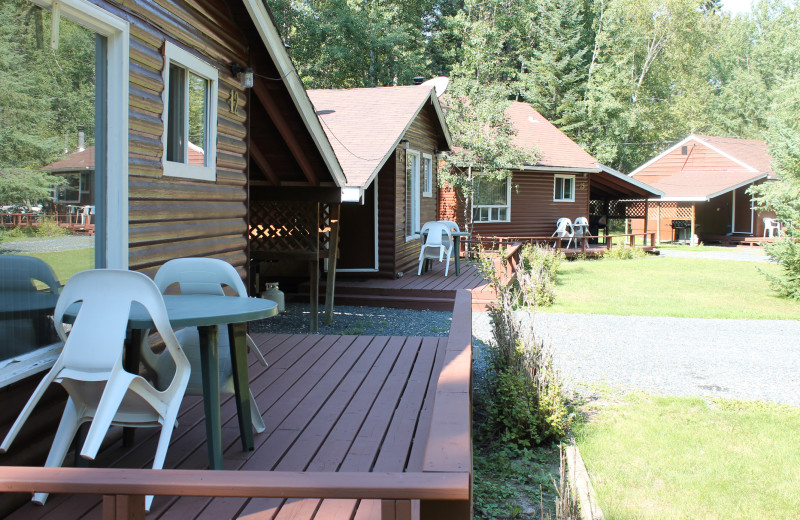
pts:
[67, 263]
[679, 287]
[667, 458]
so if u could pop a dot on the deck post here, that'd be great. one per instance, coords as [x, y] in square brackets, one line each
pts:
[333, 246]
[658, 223]
[646, 218]
[123, 507]
[691, 234]
[397, 510]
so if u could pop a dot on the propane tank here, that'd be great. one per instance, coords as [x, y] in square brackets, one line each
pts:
[273, 293]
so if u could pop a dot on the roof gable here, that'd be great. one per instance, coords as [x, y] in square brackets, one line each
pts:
[365, 125]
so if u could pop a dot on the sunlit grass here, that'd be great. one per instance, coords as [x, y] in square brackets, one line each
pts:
[678, 287]
[67, 263]
[673, 457]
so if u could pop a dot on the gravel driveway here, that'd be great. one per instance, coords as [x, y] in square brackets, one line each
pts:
[742, 359]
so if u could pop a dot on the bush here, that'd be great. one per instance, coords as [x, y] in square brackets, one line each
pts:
[624, 253]
[537, 273]
[525, 400]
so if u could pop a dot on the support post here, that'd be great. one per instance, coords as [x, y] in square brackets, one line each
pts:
[691, 234]
[123, 507]
[658, 223]
[333, 245]
[646, 218]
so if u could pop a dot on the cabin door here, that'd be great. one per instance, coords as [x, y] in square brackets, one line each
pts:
[742, 212]
[358, 234]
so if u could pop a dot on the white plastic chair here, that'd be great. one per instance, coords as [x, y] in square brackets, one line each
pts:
[580, 229]
[438, 244]
[202, 276]
[90, 367]
[771, 227]
[564, 230]
[453, 227]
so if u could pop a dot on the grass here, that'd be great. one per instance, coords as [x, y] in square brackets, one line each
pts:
[678, 287]
[672, 457]
[67, 263]
[728, 249]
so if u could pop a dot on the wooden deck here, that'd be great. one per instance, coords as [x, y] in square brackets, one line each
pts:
[429, 291]
[349, 404]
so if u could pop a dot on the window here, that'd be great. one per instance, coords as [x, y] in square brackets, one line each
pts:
[427, 175]
[190, 115]
[412, 194]
[492, 200]
[92, 55]
[564, 188]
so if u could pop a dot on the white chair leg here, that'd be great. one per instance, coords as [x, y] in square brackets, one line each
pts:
[67, 428]
[446, 266]
[106, 410]
[255, 415]
[254, 349]
[421, 262]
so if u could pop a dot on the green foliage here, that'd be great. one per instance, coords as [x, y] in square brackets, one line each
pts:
[539, 268]
[624, 253]
[26, 187]
[525, 400]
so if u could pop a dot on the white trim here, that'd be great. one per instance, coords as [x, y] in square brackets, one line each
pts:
[190, 62]
[425, 177]
[682, 199]
[572, 191]
[737, 186]
[416, 191]
[274, 44]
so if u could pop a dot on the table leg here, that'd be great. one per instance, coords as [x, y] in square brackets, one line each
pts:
[457, 247]
[237, 334]
[133, 355]
[209, 364]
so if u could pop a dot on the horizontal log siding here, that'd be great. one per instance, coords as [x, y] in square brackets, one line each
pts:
[172, 217]
[387, 209]
[699, 158]
[533, 211]
[422, 138]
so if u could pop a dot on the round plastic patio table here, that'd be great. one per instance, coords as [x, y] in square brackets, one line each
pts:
[207, 313]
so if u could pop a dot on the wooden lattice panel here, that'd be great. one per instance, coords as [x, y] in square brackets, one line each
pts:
[324, 227]
[284, 226]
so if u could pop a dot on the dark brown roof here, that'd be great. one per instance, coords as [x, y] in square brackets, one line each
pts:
[76, 161]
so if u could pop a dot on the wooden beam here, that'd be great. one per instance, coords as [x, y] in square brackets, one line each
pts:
[646, 218]
[265, 97]
[658, 224]
[223, 483]
[691, 234]
[263, 165]
[296, 193]
[123, 507]
[333, 247]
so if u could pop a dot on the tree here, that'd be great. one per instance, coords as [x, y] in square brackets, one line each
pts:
[26, 188]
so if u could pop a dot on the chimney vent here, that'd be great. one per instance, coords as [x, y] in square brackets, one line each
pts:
[418, 80]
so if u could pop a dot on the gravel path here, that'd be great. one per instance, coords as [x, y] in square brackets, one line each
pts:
[742, 359]
[739, 255]
[47, 245]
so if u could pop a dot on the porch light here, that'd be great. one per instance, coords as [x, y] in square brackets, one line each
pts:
[244, 74]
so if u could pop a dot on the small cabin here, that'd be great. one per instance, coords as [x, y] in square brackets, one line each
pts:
[705, 181]
[388, 141]
[565, 182]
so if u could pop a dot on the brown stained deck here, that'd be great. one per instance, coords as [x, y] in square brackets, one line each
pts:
[431, 290]
[330, 403]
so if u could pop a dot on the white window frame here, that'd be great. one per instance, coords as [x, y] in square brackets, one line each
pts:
[427, 175]
[190, 62]
[117, 34]
[490, 207]
[415, 195]
[571, 178]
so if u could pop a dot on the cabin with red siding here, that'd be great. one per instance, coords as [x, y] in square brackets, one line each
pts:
[565, 182]
[388, 141]
[704, 180]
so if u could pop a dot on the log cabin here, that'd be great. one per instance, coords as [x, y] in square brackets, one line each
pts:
[705, 181]
[566, 181]
[198, 115]
[388, 141]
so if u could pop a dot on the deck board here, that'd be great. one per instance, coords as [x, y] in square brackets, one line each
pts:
[330, 403]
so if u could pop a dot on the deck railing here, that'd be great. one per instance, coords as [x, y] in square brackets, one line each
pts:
[443, 488]
[72, 221]
[579, 244]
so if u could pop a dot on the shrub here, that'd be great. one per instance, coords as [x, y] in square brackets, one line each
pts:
[537, 273]
[525, 401]
[624, 253]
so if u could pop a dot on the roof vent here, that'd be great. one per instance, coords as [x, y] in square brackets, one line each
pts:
[418, 80]
[684, 150]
